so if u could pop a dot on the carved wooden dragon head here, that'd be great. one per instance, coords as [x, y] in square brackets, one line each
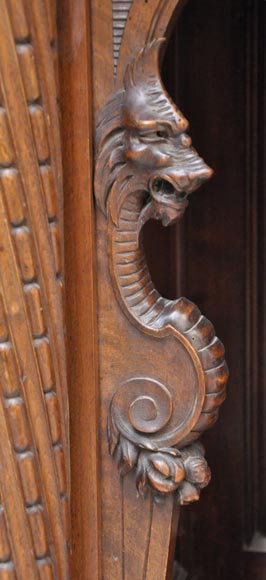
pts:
[142, 145]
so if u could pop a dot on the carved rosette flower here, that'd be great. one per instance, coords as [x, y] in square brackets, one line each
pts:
[164, 471]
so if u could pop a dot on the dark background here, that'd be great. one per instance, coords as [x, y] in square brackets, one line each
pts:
[214, 67]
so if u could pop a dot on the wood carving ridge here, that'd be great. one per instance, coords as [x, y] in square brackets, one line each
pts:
[120, 11]
[146, 169]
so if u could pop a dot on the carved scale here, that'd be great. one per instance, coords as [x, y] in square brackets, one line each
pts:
[167, 372]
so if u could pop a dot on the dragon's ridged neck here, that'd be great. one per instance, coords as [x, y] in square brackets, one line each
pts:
[131, 272]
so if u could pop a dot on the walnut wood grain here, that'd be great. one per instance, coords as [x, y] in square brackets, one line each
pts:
[162, 368]
[74, 35]
[34, 480]
[145, 169]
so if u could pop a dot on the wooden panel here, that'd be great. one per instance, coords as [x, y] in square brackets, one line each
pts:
[33, 374]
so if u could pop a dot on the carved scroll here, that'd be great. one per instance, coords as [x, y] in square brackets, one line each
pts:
[34, 479]
[162, 368]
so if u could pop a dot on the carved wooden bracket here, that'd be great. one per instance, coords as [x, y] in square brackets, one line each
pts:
[146, 168]
[162, 372]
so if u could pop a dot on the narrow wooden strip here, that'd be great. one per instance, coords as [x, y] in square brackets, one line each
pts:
[13, 502]
[32, 387]
[113, 540]
[160, 538]
[81, 310]
[5, 548]
[39, 29]
[30, 173]
[103, 84]
[172, 543]
[137, 528]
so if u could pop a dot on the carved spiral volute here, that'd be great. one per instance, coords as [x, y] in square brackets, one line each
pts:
[142, 407]
[140, 424]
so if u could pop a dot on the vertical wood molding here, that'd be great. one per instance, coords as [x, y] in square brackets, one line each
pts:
[34, 480]
[254, 402]
[81, 310]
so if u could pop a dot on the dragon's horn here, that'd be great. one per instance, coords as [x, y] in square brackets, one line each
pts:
[145, 64]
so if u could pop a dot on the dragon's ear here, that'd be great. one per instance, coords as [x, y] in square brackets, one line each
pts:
[144, 66]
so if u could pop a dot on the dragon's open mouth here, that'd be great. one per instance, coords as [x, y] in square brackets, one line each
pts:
[172, 186]
[166, 188]
[169, 198]
[167, 192]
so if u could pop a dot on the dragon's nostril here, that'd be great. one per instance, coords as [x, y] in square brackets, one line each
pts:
[162, 186]
[157, 185]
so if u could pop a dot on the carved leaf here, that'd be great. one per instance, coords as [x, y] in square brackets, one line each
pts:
[169, 466]
[129, 456]
[113, 435]
[197, 471]
[171, 450]
[179, 471]
[160, 483]
[141, 472]
[188, 493]
[161, 464]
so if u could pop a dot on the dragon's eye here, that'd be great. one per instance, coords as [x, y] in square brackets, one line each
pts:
[154, 136]
[162, 134]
